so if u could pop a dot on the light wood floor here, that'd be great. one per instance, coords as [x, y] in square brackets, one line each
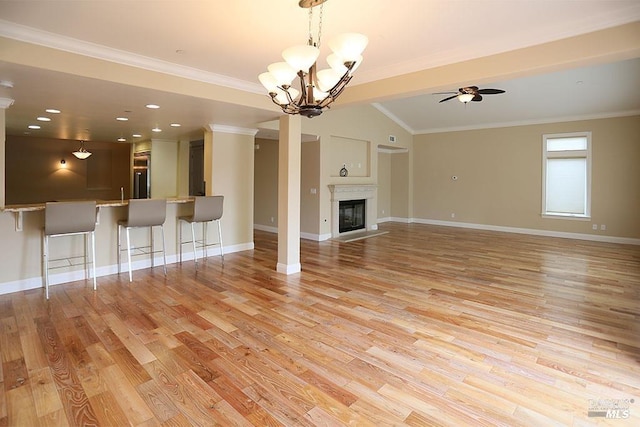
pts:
[421, 326]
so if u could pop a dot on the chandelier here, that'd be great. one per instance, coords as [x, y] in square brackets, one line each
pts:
[318, 89]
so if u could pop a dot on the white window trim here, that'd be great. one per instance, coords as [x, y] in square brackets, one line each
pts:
[558, 154]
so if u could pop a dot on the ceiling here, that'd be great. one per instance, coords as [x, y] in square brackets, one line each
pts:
[228, 43]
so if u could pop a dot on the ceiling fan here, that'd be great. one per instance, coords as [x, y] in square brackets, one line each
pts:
[470, 93]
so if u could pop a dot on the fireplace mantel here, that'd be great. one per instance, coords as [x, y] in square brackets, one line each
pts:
[353, 192]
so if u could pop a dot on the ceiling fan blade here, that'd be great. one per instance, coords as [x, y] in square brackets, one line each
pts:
[451, 97]
[443, 93]
[490, 91]
[477, 98]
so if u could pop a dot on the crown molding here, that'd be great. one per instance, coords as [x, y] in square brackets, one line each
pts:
[68, 44]
[6, 103]
[530, 122]
[232, 129]
[394, 118]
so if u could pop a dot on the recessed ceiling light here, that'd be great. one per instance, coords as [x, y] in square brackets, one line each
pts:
[152, 106]
[52, 111]
[122, 139]
[136, 135]
[122, 119]
[34, 127]
[44, 119]
[156, 129]
[175, 125]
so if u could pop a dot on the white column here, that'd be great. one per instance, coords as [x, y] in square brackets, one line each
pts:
[289, 159]
[4, 104]
[208, 160]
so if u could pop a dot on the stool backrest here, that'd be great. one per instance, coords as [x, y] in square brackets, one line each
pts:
[207, 208]
[69, 217]
[146, 212]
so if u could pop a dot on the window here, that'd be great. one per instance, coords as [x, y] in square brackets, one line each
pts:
[566, 175]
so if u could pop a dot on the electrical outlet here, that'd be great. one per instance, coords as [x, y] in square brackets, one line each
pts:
[603, 227]
[453, 215]
[594, 226]
[272, 219]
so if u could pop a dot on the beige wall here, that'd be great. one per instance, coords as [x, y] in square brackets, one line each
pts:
[34, 172]
[500, 177]
[266, 183]
[233, 169]
[384, 185]
[309, 181]
[3, 144]
[400, 187]
[164, 169]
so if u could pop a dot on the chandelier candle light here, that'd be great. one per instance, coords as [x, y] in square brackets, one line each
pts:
[318, 89]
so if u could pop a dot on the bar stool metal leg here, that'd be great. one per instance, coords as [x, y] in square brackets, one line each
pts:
[193, 243]
[164, 252]
[129, 255]
[220, 241]
[119, 248]
[204, 240]
[46, 265]
[180, 239]
[93, 257]
[151, 249]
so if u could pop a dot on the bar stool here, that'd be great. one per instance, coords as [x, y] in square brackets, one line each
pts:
[143, 213]
[205, 210]
[68, 219]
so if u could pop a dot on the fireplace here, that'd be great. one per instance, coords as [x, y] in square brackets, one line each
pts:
[350, 192]
[351, 215]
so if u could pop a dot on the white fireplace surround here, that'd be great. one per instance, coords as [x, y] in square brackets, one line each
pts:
[341, 192]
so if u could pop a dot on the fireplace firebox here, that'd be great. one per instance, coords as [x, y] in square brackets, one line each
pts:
[351, 215]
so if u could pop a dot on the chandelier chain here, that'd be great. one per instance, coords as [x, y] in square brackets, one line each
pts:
[320, 25]
[311, 40]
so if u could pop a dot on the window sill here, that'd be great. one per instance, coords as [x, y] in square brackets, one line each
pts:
[574, 217]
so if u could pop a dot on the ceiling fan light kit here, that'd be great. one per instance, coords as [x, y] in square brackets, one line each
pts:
[318, 89]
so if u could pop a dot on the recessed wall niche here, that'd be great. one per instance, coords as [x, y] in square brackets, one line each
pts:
[353, 154]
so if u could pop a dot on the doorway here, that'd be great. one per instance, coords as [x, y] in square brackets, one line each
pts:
[197, 185]
[141, 182]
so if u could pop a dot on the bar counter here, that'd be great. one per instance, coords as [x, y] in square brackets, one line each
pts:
[34, 207]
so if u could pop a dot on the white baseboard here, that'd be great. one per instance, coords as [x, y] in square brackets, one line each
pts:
[76, 275]
[306, 236]
[266, 228]
[531, 231]
[288, 269]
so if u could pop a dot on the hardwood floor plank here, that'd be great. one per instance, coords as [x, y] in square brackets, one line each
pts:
[74, 400]
[128, 339]
[10, 339]
[21, 410]
[161, 405]
[108, 411]
[125, 394]
[45, 394]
